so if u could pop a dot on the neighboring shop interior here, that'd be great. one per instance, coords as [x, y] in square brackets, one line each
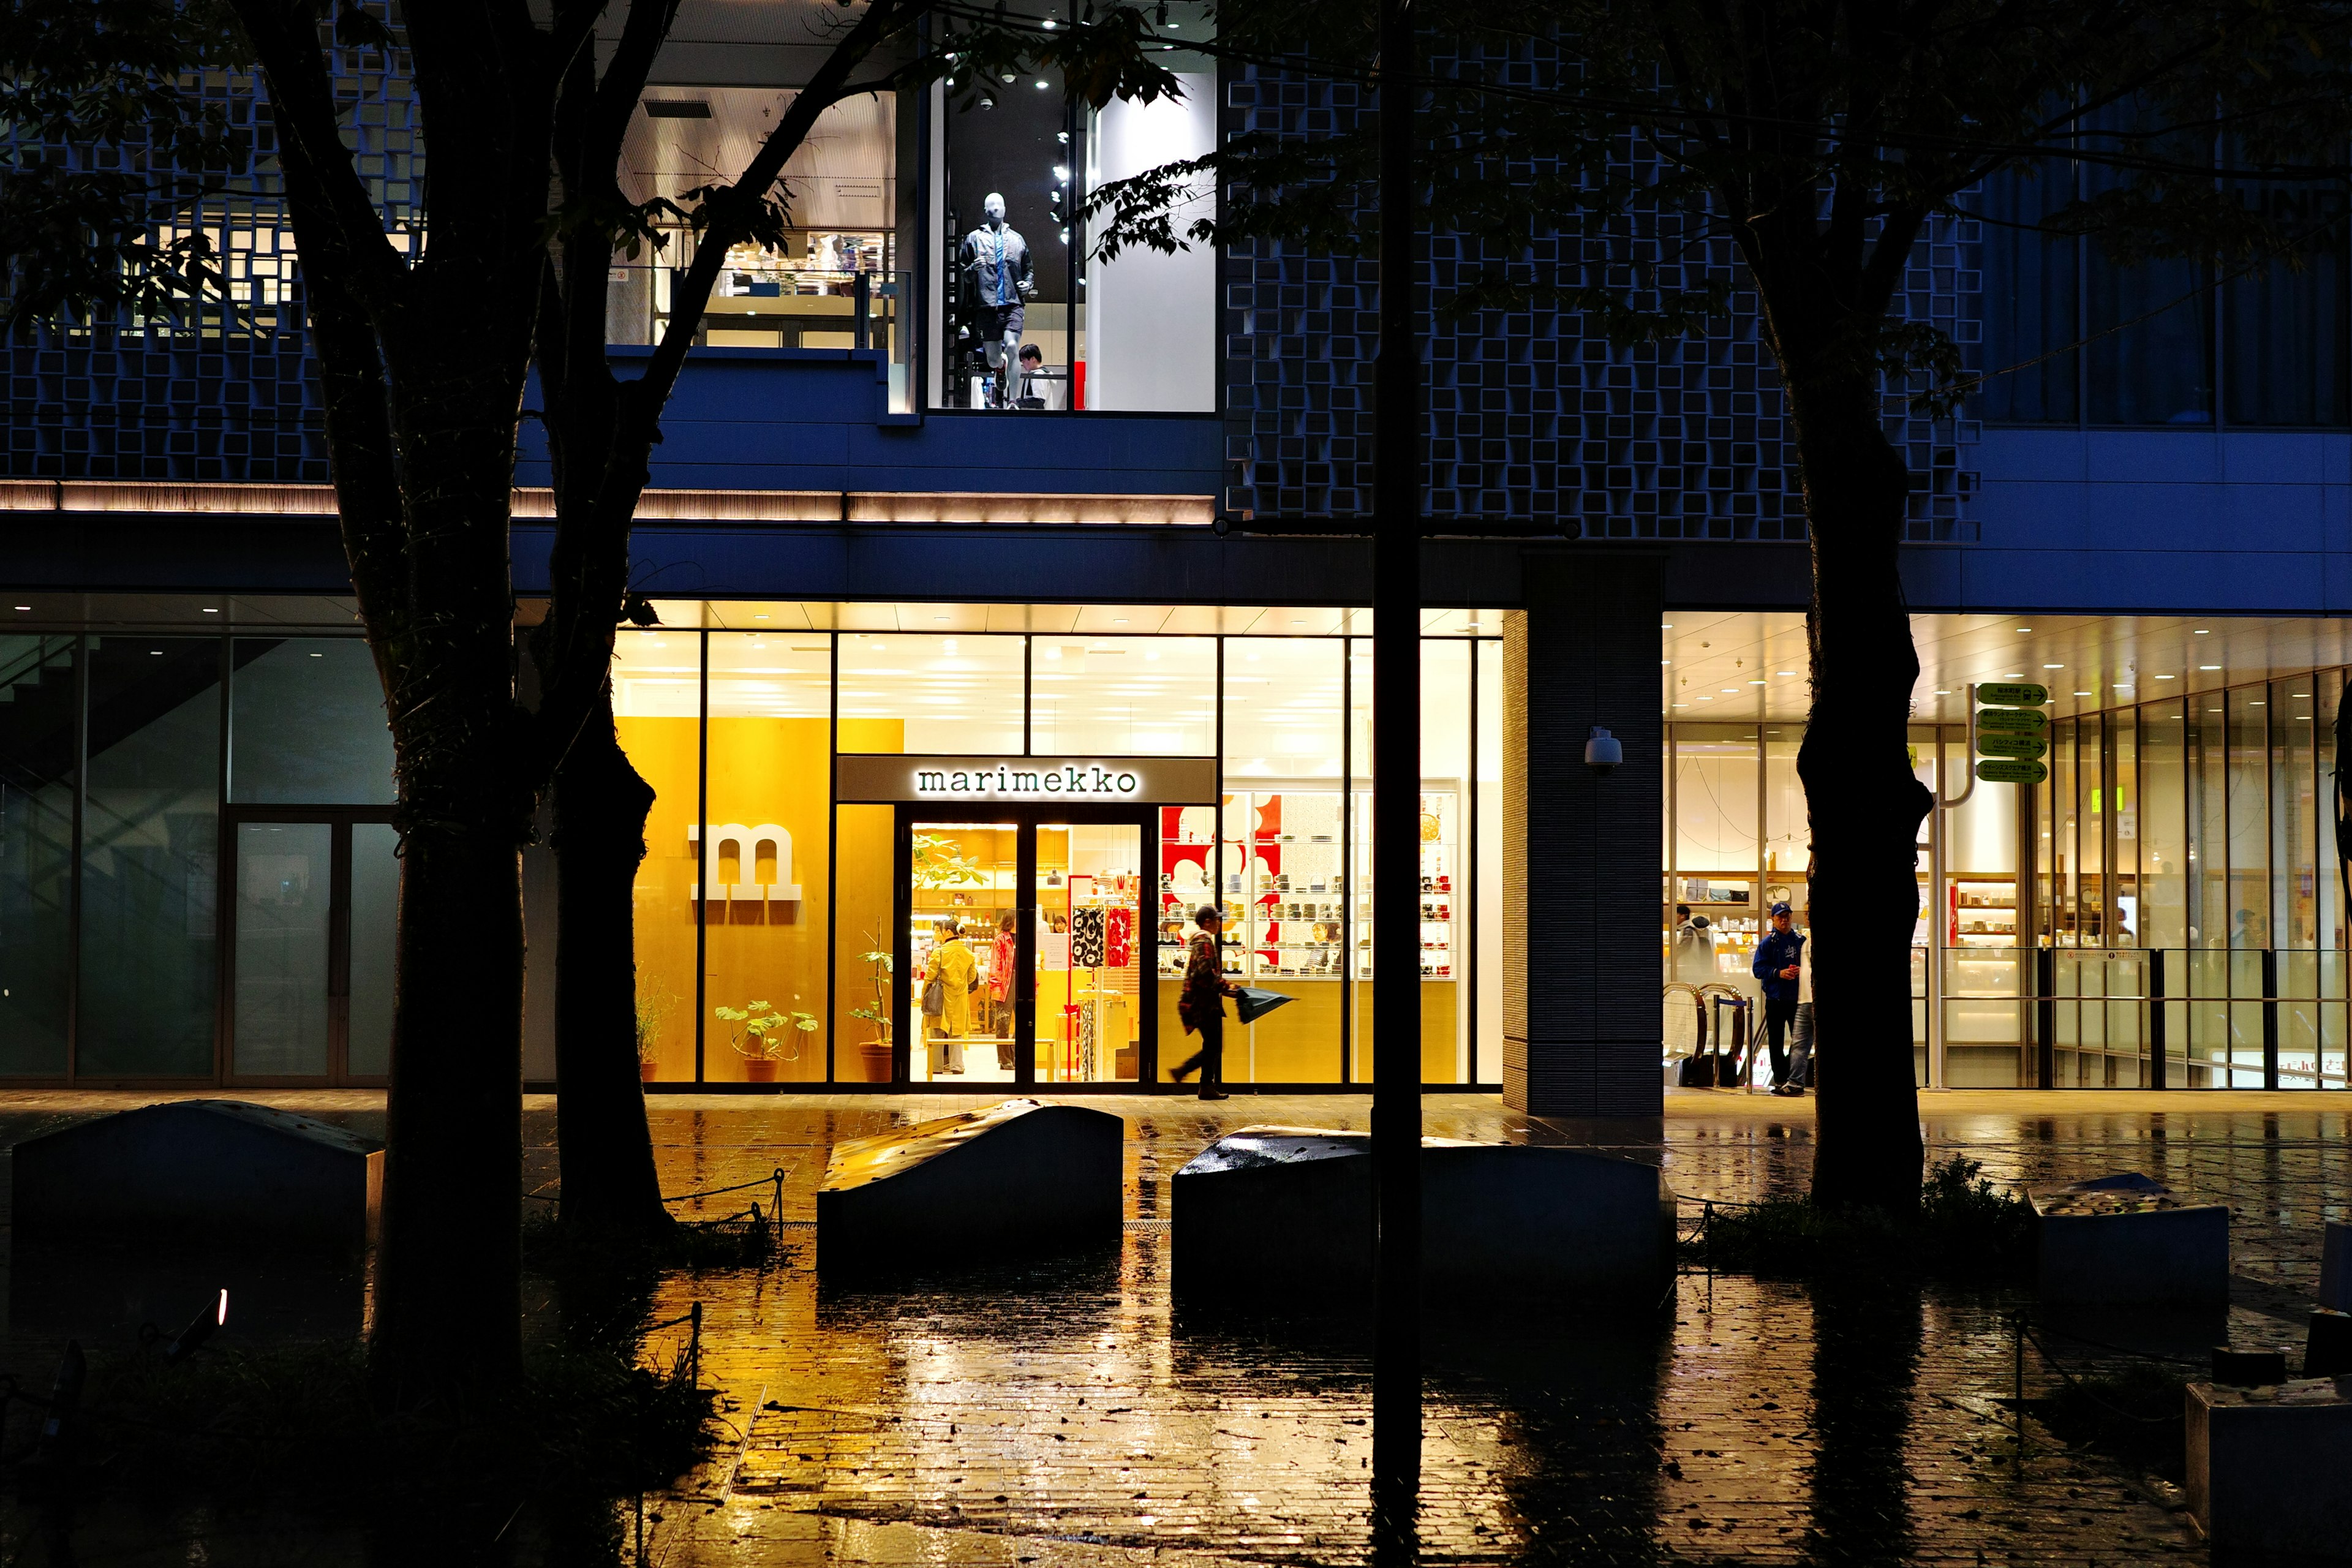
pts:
[2181, 841]
[879, 201]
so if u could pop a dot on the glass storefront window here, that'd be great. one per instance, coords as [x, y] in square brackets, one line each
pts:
[656, 712]
[306, 723]
[39, 694]
[1123, 697]
[2249, 809]
[945, 695]
[150, 857]
[2162, 823]
[763, 867]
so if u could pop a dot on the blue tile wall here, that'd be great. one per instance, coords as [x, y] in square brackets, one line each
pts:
[1535, 419]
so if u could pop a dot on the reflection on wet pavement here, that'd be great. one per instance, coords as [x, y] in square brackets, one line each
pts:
[1062, 1414]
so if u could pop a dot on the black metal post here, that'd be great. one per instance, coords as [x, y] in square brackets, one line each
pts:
[2045, 1018]
[1396, 817]
[862, 310]
[2270, 1018]
[2156, 1064]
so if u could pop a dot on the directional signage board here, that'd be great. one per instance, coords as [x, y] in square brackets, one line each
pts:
[2013, 694]
[2013, 720]
[2007, 771]
[2024, 747]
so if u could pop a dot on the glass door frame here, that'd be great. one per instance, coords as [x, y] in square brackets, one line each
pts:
[1026, 818]
[339, 819]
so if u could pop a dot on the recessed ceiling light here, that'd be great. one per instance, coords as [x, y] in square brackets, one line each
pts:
[2025, 628]
[1731, 691]
[2200, 632]
[2123, 686]
[2256, 703]
[1784, 672]
[1665, 661]
[317, 656]
[2083, 694]
[1665, 625]
[2167, 677]
[2014, 675]
[1755, 683]
[210, 611]
[24, 606]
[1941, 691]
[1682, 704]
[759, 617]
[2053, 666]
[2209, 667]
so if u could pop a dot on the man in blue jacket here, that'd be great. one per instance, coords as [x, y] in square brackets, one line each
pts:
[1777, 958]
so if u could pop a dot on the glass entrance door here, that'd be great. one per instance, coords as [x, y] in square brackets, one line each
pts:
[1023, 952]
[960, 889]
[1088, 895]
[312, 907]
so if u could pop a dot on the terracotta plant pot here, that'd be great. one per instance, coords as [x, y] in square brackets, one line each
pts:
[758, 1069]
[649, 1071]
[874, 1056]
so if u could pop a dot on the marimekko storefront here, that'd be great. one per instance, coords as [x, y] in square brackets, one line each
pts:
[855, 805]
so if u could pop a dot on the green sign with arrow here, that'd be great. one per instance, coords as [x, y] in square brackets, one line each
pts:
[2012, 721]
[2006, 771]
[2013, 694]
[2024, 747]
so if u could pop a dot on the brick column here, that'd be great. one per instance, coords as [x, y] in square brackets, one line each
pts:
[1581, 852]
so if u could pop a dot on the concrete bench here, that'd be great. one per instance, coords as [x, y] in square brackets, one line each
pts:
[2266, 1467]
[200, 1174]
[1282, 1217]
[2126, 1241]
[1016, 1179]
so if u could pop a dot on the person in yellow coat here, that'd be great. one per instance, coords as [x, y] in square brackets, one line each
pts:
[951, 968]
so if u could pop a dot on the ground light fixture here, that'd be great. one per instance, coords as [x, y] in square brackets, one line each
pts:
[200, 1328]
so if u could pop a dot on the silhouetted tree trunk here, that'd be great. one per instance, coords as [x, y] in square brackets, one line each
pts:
[610, 1186]
[1858, 775]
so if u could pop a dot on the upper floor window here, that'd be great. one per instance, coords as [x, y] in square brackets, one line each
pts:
[2072, 336]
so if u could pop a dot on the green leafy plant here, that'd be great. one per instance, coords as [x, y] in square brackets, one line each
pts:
[654, 1007]
[762, 1032]
[940, 863]
[880, 966]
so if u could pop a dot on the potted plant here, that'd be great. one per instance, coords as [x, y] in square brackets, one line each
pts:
[763, 1036]
[654, 1009]
[875, 1053]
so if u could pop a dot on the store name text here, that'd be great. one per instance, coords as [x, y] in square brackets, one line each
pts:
[1007, 782]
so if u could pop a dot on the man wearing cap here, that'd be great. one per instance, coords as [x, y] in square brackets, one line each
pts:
[1779, 960]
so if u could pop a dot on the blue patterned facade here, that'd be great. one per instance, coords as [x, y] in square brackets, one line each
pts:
[227, 391]
[1535, 419]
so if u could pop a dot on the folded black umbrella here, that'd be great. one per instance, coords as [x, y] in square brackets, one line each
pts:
[1251, 1003]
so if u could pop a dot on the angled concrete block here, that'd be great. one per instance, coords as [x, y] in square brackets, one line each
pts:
[1277, 1216]
[2336, 1267]
[1284, 1216]
[1020, 1178]
[201, 1172]
[1537, 1222]
[2266, 1467]
[2127, 1239]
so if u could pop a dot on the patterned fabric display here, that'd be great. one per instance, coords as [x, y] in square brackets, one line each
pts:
[1086, 939]
[1119, 940]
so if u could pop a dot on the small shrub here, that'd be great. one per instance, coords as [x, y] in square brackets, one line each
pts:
[1964, 1227]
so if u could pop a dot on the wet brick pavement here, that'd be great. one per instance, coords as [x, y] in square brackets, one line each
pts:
[1064, 1415]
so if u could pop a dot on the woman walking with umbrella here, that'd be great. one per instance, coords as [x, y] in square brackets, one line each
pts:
[1200, 1005]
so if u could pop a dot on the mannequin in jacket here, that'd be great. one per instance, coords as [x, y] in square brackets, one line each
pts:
[998, 276]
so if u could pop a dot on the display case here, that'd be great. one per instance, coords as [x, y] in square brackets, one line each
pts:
[1440, 892]
[1981, 910]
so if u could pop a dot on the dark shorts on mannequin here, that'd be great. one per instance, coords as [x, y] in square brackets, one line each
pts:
[993, 323]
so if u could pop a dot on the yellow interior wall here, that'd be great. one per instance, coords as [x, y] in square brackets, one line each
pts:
[768, 770]
[663, 752]
[1439, 1000]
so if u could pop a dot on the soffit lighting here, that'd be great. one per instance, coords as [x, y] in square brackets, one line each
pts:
[2209, 667]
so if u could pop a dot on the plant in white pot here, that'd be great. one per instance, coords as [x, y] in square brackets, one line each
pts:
[765, 1036]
